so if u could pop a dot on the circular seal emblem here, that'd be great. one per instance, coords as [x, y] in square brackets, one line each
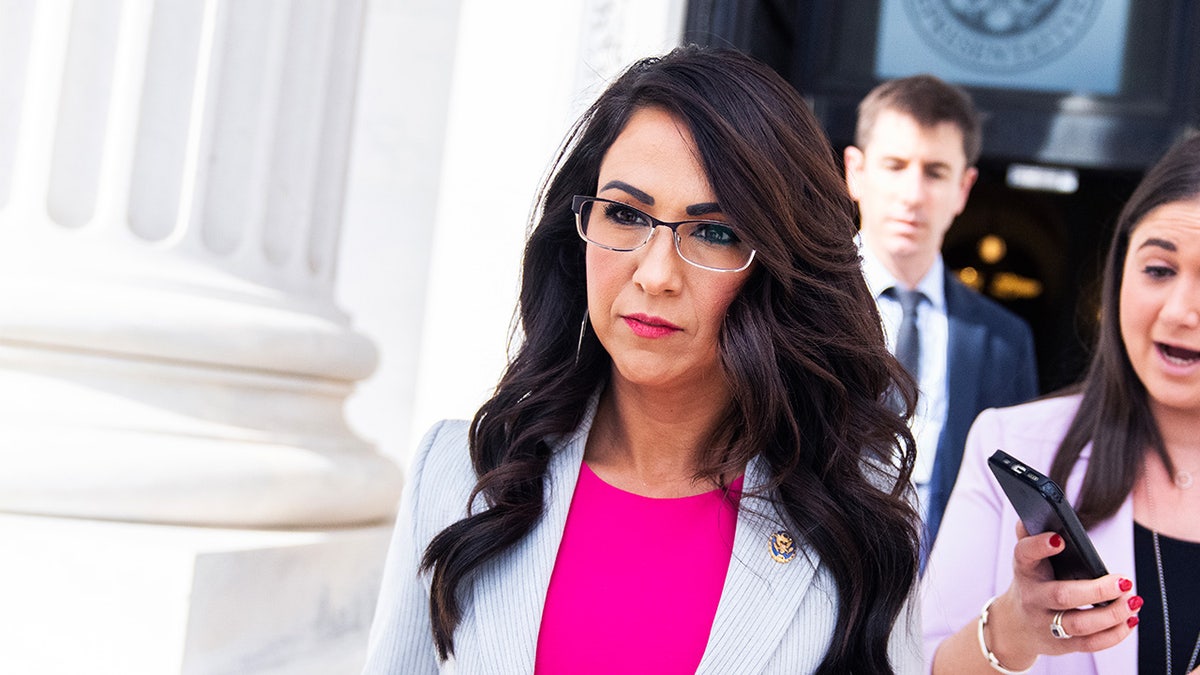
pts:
[1002, 36]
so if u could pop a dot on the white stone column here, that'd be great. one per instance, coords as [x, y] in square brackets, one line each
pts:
[179, 489]
[171, 188]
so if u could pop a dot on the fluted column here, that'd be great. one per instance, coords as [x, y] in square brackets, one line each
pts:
[171, 186]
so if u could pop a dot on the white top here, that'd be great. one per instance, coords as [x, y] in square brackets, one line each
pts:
[933, 329]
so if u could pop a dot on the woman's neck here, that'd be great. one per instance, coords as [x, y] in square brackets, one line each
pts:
[1180, 434]
[651, 442]
[1163, 500]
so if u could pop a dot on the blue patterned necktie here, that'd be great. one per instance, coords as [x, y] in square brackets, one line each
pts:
[908, 341]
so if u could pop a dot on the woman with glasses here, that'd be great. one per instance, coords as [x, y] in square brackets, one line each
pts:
[690, 464]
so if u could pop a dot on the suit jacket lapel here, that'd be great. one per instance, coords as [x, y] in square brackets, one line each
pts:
[963, 377]
[759, 600]
[966, 341]
[511, 592]
[1114, 541]
[761, 596]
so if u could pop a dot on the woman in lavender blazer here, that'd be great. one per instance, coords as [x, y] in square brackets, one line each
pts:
[1124, 445]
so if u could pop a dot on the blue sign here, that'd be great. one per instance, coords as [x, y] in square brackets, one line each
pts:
[1074, 46]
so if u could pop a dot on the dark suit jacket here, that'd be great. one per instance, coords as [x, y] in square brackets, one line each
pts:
[990, 364]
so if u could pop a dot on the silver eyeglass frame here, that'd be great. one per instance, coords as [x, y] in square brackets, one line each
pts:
[578, 201]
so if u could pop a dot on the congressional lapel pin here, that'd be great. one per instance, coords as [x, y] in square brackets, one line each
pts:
[783, 547]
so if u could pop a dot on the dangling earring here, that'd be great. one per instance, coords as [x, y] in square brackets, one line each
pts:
[582, 330]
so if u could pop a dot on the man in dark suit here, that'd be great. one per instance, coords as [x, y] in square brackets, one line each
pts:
[910, 170]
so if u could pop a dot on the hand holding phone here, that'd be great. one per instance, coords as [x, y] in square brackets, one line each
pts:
[1043, 507]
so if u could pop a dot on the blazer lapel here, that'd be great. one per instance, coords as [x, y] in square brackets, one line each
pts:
[965, 339]
[1114, 542]
[760, 597]
[963, 378]
[511, 592]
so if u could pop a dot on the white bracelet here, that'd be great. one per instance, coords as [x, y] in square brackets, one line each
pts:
[987, 653]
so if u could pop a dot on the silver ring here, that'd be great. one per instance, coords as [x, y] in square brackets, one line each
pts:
[1056, 627]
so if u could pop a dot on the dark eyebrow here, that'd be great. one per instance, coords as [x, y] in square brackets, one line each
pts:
[1161, 243]
[632, 191]
[703, 209]
[927, 166]
[936, 166]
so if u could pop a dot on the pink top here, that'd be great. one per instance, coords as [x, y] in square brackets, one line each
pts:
[637, 580]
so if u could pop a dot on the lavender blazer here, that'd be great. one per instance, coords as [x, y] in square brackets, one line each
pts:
[972, 559]
[772, 617]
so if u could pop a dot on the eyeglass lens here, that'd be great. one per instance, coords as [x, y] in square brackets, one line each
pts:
[621, 227]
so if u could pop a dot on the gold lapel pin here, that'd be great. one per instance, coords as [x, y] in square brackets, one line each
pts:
[783, 547]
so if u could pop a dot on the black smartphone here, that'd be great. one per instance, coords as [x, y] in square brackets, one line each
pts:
[1043, 507]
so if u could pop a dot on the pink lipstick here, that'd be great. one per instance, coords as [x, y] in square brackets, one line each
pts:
[647, 326]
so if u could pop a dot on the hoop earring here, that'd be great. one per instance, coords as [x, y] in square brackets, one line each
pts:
[582, 330]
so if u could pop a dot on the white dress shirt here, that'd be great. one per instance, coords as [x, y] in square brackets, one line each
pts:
[933, 329]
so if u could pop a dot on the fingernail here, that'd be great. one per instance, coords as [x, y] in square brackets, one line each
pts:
[1135, 603]
[1131, 621]
[1125, 585]
[1055, 541]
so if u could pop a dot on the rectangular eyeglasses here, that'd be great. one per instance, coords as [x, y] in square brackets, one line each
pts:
[707, 244]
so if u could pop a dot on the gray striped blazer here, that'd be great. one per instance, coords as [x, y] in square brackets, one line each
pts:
[772, 617]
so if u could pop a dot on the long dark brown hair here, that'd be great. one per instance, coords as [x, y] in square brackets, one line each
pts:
[1114, 412]
[801, 347]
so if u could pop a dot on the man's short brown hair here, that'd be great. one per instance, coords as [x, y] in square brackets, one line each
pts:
[928, 100]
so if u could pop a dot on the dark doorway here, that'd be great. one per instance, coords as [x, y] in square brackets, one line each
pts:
[1038, 252]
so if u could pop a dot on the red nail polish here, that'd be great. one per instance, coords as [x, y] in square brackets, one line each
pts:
[1125, 585]
[1131, 621]
[1135, 603]
[1055, 541]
